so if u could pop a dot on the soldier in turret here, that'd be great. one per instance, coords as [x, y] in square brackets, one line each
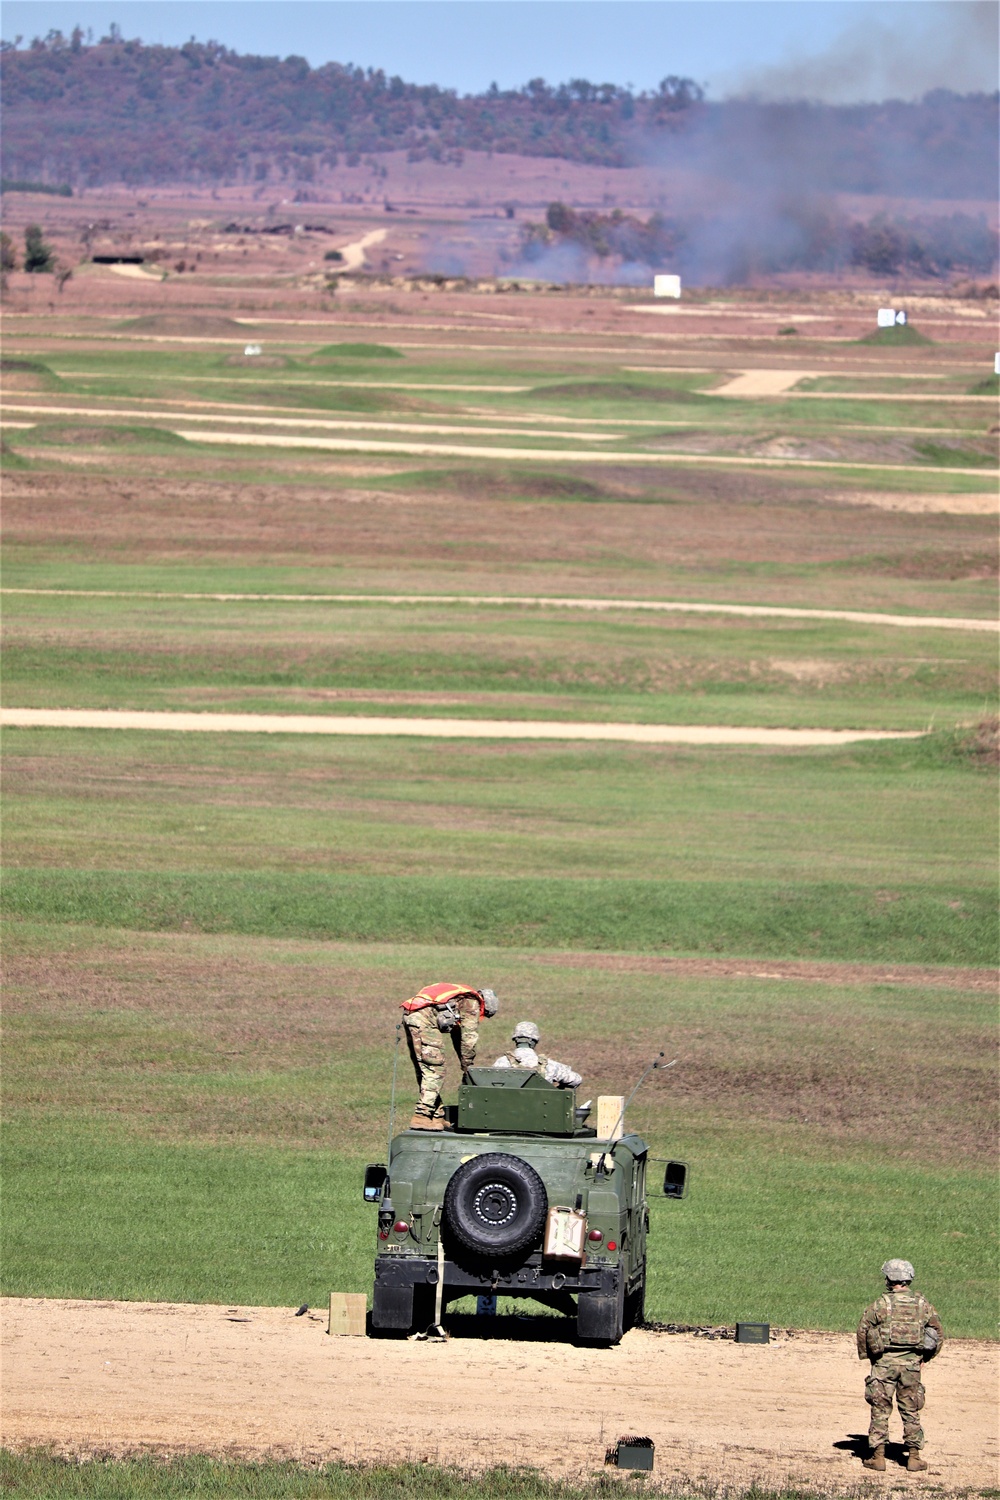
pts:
[525, 1054]
[897, 1333]
[436, 1011]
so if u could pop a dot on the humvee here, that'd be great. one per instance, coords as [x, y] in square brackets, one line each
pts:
[519, 1198]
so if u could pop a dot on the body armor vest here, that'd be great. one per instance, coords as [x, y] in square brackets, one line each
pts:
[904, 1327]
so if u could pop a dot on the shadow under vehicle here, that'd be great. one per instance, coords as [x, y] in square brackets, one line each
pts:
[520, 1198]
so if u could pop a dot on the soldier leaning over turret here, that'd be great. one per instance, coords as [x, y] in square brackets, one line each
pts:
[897, 1333]
[434, 1012]
[525, 1054]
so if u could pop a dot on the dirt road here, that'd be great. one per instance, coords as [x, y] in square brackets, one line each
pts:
[324, 423]
[762, 383]
[448, 729]
[354, 253]
[946, 505]
[543, 601]
[977, 504]
[125, 1377]
[377, 384]
[136, 273]
[561, 455]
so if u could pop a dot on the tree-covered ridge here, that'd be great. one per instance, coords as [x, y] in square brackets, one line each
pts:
[205, 111]
[122, 111]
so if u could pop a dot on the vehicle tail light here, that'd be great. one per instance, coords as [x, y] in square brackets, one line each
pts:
[596, 1235]
[401, 1227]
[612, 1244]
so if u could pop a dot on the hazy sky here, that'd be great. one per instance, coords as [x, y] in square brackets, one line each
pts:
[840, 50]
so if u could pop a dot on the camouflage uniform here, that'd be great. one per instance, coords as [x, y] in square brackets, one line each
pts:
[529, 1060]
[891, 1335]
[465, 1037]
[426, 1042]
[511, 1060]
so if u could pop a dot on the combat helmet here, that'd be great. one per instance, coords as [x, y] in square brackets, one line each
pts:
[525, 1031]
[490, 1002]
[898, 1270]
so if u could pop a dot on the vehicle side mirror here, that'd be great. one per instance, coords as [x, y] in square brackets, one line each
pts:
[675, 1179]
[375, 1179]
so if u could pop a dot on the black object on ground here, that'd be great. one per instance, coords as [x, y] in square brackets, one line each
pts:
[631, 1452]
[753, 1333]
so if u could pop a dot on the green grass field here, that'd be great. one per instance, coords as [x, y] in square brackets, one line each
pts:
[207, 937]
[518, 662]
[701, 851]
[39, 1476]
[189, 1117]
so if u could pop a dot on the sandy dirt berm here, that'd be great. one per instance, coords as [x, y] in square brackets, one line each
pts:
[121, 1378]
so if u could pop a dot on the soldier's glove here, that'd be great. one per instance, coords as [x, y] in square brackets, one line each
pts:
[929, 1344]
[447, 1017]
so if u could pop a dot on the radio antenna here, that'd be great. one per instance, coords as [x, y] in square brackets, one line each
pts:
[392, 1099]
[656, 1063]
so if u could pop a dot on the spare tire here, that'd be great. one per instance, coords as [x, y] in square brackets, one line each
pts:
[496, 1204]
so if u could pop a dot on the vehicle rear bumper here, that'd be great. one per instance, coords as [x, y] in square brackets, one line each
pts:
[418, 1270]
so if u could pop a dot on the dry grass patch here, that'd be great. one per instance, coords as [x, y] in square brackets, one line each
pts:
[196, 1037]
[198, 325]
[983, 742]
[711, 519]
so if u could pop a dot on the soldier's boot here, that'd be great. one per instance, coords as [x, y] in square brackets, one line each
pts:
[424, 1122]
[876, 1460]
[914, 1463]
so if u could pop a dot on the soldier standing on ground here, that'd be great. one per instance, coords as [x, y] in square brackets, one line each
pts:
[525, 1054]
[897, 1333]
[436, 1011]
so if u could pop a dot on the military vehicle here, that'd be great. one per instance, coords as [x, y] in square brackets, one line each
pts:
[519, 1197]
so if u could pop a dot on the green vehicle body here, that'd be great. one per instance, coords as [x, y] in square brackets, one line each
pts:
[512, 1135]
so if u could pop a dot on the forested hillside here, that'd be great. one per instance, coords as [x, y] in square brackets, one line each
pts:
[121, 111]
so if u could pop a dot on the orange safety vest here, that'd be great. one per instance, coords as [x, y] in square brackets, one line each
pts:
[440, 994]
